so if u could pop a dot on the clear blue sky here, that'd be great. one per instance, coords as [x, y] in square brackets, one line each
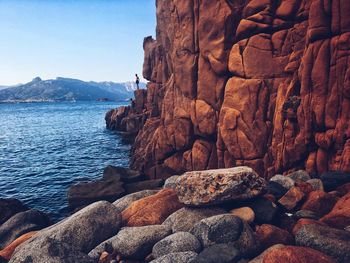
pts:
[85, 39]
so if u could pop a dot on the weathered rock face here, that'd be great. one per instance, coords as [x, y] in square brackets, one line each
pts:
[210, 187]
[257, 83]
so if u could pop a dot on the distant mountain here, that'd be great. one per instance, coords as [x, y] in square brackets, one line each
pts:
[66, 89]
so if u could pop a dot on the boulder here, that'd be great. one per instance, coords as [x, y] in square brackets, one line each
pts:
[71, 239]
[144, 185]
[285, 181]
[305, 221]
[223, 253]
[10, 207]
[244, 213]
[218, 186]
[299, 176]
[185, 218]
[137, 242]
[260, 258]
[292, 198]
[247, 244]
[333, 179]
[7, 252]
[178, 242]
[319, 202]
[269, 235]
[331, 241]
[218, 229]
[109, 188]
[20, 224]
[316, 184]
[171, 182]
[179, 257]
[123, 203]
[151, 210]
[225, 229]
[296, 255]
[339, 216]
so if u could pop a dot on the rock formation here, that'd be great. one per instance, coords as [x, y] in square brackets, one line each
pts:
[260, 83]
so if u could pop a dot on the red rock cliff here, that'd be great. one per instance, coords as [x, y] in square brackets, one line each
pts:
[260, 83]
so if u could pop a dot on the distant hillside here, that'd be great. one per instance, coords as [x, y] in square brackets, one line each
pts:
[66, 89]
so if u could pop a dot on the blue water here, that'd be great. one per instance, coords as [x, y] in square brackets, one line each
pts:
[46, 147]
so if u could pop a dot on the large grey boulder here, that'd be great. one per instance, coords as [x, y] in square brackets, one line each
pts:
[179, 257]
[178, 242]
[331, 241]
[124, 202]
[218, 186]
[223, 253]
[20, 224]
[218, 229]
[137, 242]
[226, 229]
[185, 218]
[71, 239]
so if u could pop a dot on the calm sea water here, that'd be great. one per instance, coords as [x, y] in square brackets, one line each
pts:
[46, 147]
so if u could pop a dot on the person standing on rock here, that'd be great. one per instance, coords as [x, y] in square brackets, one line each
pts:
[137, 81]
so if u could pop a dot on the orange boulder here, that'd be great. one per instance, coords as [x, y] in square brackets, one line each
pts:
[291, 254]
[269, 235]
[151, 210]
[319, 202]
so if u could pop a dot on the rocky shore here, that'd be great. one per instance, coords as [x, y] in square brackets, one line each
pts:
[224, 215]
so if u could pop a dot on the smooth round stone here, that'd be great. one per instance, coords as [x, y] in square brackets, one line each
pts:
[347, 228]
[265, 210]
[305, 214]
[331, 241]
[178, 242]
[244, 213]
[223, 253]
[224, 228]
[285, 181]
[184, 219]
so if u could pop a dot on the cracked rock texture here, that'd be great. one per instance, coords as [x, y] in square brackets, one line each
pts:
[260, 83]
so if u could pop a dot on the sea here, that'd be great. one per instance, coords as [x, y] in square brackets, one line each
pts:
[46, 147]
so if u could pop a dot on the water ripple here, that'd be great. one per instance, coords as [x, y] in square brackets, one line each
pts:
[46, 147]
